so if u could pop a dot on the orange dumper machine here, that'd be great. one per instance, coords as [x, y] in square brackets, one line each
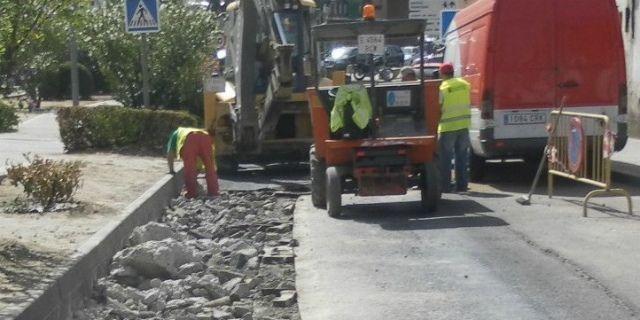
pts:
[392, 150]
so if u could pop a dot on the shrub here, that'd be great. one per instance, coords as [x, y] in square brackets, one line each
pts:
[115, 127]
[8, 118]
[56, 83]
[46, 181]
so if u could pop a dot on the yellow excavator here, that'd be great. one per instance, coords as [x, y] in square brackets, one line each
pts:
[256, 101]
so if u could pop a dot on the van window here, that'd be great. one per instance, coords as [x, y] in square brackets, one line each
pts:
[451, 54]
[457, 47]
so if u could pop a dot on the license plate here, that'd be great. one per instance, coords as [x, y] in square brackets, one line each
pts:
[525, 118]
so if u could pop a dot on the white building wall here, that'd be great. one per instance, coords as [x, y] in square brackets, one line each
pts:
[630, 16]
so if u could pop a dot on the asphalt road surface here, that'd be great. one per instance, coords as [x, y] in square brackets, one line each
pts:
[482, 256]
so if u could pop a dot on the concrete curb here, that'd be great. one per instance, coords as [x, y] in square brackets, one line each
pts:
[91, 260]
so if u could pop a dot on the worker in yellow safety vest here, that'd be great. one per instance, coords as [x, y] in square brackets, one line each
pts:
[194, 146]
[453, 129]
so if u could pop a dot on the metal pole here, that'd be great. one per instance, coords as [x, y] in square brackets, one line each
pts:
[145, 71]
[75, 83]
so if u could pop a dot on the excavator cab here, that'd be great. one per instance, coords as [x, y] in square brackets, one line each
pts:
[374, 134]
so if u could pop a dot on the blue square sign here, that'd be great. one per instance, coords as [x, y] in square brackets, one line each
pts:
[142, 16]
[446, 18]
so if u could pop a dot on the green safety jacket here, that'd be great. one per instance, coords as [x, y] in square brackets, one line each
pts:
[179, 137]
[455, 97]
[359, 98]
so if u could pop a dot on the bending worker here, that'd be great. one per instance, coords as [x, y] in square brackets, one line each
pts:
[453, 129]
[193, 145]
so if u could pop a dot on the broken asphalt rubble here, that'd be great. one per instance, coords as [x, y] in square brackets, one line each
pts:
[227, 258]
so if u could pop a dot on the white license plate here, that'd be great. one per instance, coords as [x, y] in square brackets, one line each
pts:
[525, 118]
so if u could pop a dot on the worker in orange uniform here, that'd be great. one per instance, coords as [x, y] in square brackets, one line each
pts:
[193, 145]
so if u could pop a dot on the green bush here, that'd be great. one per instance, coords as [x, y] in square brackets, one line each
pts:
[56, 83]
[115, 127]
[8, 118]
[46, 181]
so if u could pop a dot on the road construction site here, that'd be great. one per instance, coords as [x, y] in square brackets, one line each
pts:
[262, 251]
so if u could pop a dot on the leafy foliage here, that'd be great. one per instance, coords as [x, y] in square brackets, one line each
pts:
[176, 54]
[114, 127]
[46, 181]
[34, 36]
[55, 83]
[8, 118]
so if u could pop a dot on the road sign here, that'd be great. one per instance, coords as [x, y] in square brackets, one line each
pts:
[142, 16]
[446, 18]
[422, 15]
[417, 5]
[575, 147]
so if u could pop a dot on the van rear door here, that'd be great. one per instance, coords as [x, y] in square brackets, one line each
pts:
[587, 55]
[524, 70]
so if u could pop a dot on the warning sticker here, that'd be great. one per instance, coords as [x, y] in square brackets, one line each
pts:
[399, 98]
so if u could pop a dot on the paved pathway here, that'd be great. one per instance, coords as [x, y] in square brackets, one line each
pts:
[39, 135]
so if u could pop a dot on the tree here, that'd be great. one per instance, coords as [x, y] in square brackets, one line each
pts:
[176, 54]
[33, 35]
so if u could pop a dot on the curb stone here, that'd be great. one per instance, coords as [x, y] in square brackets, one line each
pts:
[90, 261]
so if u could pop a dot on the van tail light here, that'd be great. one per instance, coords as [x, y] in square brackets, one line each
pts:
[486, 110]
[622, 100]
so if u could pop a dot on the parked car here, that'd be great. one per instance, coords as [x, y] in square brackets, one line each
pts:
[410, 53]
[339, 58]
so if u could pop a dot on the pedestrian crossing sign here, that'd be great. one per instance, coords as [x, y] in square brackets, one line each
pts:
[142, 16]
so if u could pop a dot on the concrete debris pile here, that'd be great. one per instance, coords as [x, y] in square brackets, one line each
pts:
[228, 258]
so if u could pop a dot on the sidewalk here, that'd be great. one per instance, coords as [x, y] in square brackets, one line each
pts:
[39, 135]
[627, 161]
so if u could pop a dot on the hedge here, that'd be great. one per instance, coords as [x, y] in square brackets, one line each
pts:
[111, 127]
[8, 118]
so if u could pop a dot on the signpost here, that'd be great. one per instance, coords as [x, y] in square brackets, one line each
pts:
[143, 16]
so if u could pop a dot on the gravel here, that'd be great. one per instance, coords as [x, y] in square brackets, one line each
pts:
[224, 258]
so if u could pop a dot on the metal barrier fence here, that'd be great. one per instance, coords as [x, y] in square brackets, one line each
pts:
[580, 149]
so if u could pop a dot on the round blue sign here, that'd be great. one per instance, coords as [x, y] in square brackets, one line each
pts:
[576, 145]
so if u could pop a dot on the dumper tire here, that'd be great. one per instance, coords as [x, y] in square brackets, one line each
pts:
[430, 189]
[226, 165]
[318, 173]
[334, 192]
[477, 167]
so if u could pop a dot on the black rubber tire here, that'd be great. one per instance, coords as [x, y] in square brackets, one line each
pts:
[226, 165]
[334, 192]
[477, 167]
[430, 189]
[359, 74]
[317, 171]
[387, 74]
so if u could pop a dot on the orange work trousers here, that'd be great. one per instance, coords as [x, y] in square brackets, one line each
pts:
[198, 145]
